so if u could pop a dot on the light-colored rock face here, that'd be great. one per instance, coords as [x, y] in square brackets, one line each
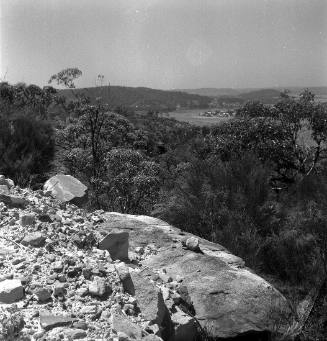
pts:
[148, 279]
[65, 188]
[11, 290]
[228, 299]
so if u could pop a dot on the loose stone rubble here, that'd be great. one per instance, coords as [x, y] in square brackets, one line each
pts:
[65, 276]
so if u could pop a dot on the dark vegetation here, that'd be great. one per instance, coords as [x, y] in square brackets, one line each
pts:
[249, 184]
[142, 98]
[266, 96]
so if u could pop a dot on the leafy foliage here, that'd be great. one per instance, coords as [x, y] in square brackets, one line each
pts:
[26, 148]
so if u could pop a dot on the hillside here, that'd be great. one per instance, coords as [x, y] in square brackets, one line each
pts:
[212, 92]
[143, 98]
[267, 96]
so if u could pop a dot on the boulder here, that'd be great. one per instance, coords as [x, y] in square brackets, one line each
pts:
[116, 243]
[226, 298]
[66, 188]
[149, 299]
[11, 290]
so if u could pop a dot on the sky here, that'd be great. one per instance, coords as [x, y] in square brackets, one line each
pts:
[166, 44]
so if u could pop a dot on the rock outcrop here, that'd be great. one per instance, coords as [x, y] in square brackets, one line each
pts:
[101, 275]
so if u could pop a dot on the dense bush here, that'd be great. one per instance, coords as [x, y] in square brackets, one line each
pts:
[26, 148]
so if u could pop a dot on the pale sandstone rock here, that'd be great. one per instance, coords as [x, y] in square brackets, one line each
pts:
[34, 239]
[228, 299]
[11, 290]
[66, 188]
[192, 244]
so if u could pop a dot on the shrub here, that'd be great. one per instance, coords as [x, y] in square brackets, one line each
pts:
[26, 148]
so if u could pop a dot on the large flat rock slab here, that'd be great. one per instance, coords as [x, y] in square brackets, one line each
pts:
[228, 298]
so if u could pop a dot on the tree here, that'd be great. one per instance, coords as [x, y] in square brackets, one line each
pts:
[26, 99]
[274, 134]
[132, 181]
[66, 77]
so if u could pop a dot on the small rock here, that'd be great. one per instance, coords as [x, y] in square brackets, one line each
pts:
[11, 290]
[17, 261]
[82, 292]
[27, 220]
[43, 294]
[192, 244]
[87, 273]
[139, 250]
[129, 309]
[74, 334]
[13, 201]
[34, 239]
[123, 273]
[45, 218]
[80, 325]
[59, 289]
[58, 266]
[89, 309]
[117, 245]
[62, 278]
[99, 288]
[49, 321]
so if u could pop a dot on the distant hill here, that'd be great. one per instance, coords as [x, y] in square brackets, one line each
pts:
[268, 96]
[143, 98]
[229, 95]
[212, 92]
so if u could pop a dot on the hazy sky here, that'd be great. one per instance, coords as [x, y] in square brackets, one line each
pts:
[167, 43]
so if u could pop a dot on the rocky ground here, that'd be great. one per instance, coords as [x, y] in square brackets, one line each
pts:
[68, 274]
[55, 283]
